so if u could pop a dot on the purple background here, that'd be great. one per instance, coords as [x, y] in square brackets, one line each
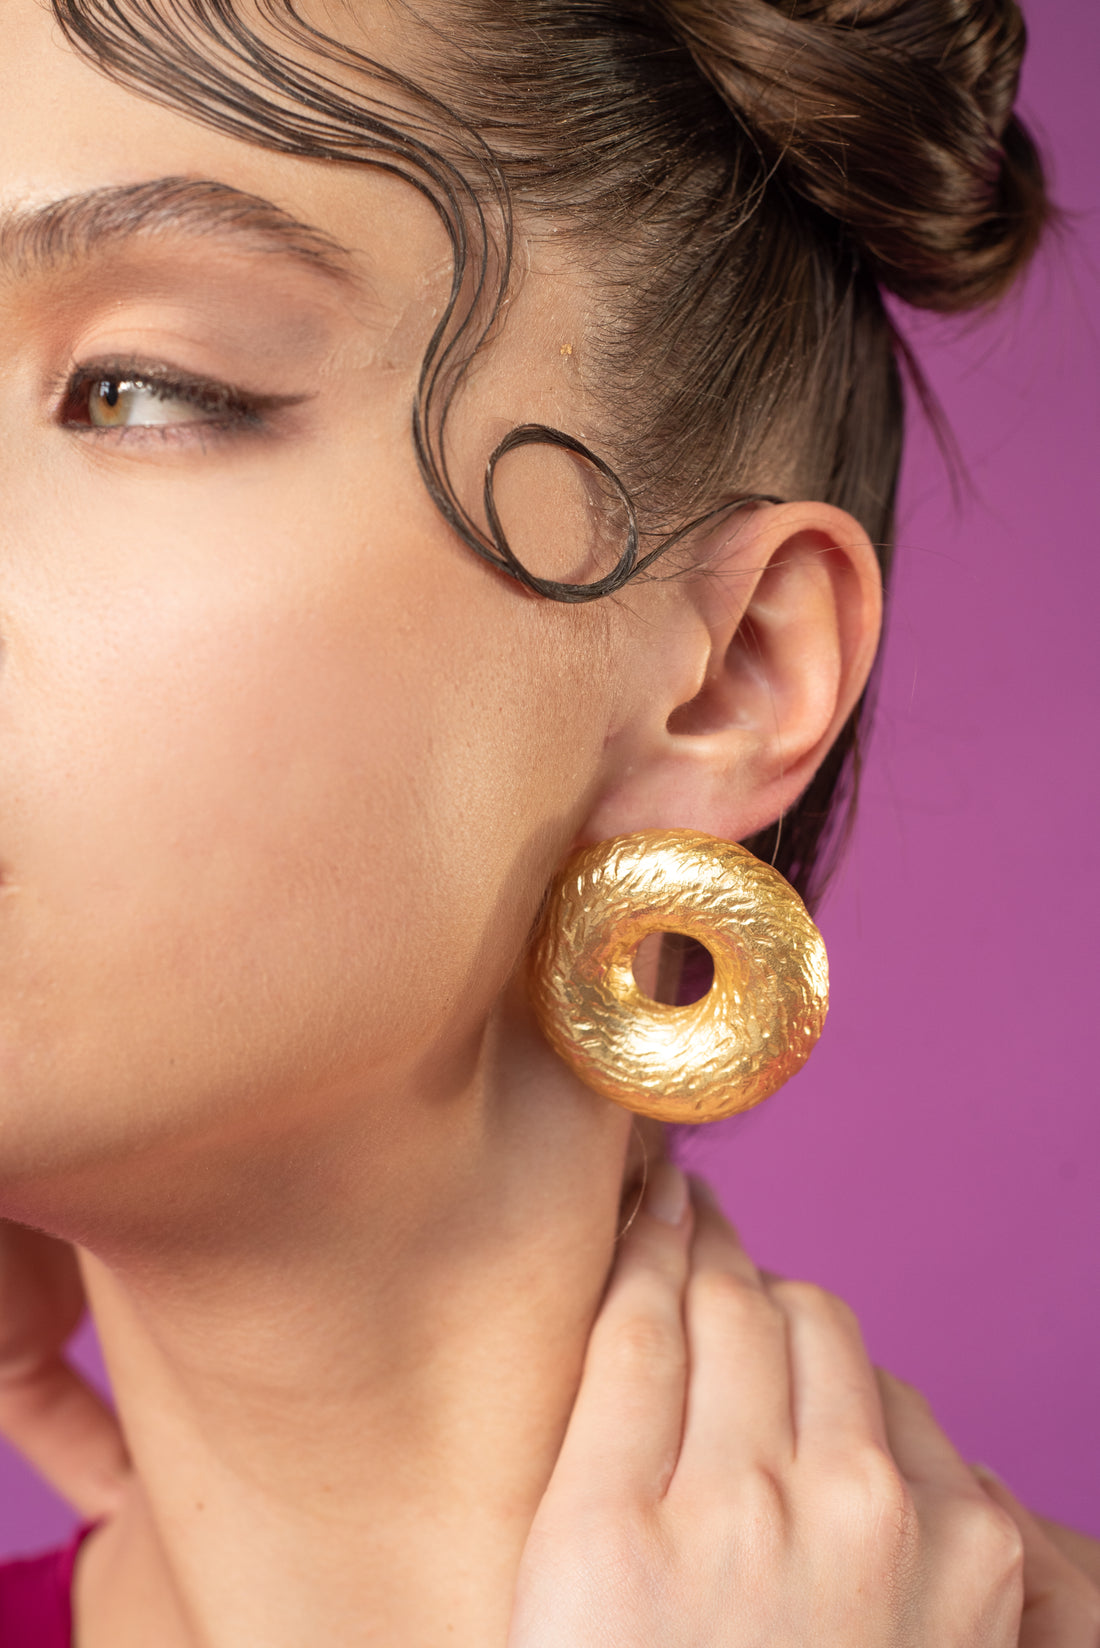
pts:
[937, 1163]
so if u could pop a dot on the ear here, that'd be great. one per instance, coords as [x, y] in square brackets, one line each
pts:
[757, 670]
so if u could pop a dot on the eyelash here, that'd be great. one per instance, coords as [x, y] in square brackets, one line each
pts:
[231, 411]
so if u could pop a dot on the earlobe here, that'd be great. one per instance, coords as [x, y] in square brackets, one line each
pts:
[788, 607]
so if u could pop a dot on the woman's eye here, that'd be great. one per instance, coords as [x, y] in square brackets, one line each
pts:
[127, 403]
[104, 397]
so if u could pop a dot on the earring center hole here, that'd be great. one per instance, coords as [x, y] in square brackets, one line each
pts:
[673, 969]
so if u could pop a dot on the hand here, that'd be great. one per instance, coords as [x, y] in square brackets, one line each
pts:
[732, 1477]
[1061, 1576]
[1061, 1604]
[1081, 1549]
[46, 1410]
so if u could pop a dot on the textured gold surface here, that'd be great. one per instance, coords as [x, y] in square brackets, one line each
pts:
[755, 1027]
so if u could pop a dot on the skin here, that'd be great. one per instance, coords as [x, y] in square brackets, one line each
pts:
[286, 770]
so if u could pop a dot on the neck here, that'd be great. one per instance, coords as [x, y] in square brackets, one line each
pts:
[345, 1406]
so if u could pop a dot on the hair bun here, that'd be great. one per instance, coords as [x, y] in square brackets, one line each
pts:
[895, 117]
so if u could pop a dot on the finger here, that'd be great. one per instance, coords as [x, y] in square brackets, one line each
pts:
[46, 1410]
[716, 1243]
[738, 1404]
[1061, 1604]
[623, 1436]
[68, 1434]
[41, 1295]
[1081, 1549]
[835, 1399]
[925, 1455]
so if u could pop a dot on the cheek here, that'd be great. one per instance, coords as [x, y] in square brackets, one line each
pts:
[275, 824]
[198, 831]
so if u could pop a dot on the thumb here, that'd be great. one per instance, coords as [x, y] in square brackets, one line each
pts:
[64, 1429]
[47, 1411]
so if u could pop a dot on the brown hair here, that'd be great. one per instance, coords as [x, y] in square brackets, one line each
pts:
[748, 179]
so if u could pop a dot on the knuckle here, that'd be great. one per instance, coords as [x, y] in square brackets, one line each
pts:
[643, 1342]
[869, 1495]
[908, 1395]
[755, 1512]
[808, 1299]
[654, 1257]
[724, 1295]
[763, 1500]
[985, 1535]
[795, 1294]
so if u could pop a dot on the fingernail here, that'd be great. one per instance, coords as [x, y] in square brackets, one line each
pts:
[666, 1196]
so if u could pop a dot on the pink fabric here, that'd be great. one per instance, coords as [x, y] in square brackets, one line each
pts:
[36, 1598]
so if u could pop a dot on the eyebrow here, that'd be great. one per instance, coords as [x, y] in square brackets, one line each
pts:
[74, 227]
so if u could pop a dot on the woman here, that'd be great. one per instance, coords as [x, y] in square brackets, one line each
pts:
[299, 729]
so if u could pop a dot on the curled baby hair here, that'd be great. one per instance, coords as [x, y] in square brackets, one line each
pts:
[747, 178]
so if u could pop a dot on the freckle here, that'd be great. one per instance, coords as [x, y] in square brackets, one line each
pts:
[567, 348]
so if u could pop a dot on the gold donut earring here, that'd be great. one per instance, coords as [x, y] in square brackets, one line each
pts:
[743, 1039]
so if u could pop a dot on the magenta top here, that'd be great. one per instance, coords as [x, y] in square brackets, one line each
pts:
[36, 1598]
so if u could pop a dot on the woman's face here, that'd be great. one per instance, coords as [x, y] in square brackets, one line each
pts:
[283, 766]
